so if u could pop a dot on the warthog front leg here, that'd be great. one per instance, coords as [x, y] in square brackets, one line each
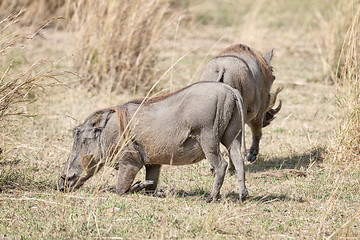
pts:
[231, 167]
[127, 171]
[256, 129]
[238, 161]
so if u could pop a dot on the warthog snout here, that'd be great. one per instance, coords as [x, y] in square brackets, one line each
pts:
[270, 115]
[68, 183]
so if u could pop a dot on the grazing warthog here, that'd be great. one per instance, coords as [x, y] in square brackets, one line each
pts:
[177, 129]
[249, 72]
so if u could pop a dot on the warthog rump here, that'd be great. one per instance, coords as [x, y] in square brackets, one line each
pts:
[180, 128]
[249, 72]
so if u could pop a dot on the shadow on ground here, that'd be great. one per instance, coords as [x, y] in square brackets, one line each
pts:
[23, 181]
[189, 194]
[267, 198]
[234, 196]
[296, 161]
[202, 195]
[19, 178]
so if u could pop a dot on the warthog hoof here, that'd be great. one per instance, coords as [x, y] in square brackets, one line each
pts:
[231, 169]
[252, 155]
[212, 199]
[244, 195]
[139, 186]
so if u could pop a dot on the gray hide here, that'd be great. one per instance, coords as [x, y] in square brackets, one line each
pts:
[177, 129]
[249, 72]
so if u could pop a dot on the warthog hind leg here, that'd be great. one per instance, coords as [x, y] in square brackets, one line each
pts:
[210, 145]
[220, 166]
[231, 168]
[238, 160]
[152, 174]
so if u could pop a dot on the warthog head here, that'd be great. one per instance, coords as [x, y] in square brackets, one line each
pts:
[85, 154]
[270, 111]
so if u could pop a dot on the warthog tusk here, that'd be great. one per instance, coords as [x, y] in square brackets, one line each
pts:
[276, 110]
[273, 97]
[270, 115]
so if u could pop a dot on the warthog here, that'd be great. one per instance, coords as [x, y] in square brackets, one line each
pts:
[249, 72]
[177, 129]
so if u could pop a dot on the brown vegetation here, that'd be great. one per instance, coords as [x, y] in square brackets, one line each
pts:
[348, 82]
[334, 27]
[35, 12]
[19, 85]
[116, 42]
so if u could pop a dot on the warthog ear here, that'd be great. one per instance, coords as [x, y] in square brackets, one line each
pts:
[96, 119]
[99, 119]
[96, 124]
[268, 56]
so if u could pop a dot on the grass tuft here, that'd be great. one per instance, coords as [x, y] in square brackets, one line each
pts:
[334, 25]
[35, 11]
[19, 85]
[116, 41]
[348, 97]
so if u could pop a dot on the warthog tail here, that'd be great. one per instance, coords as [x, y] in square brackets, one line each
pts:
[240, 105]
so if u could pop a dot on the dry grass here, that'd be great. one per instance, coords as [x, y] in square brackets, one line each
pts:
[348, 82]
[298, 191]
[35, 11]
[19, 85]
[334, 25]
[116, 41]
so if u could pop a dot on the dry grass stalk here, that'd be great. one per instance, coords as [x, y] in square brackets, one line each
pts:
[19, 85]
[349, 90]
[116, 41]
[35, 11]
[333, 27]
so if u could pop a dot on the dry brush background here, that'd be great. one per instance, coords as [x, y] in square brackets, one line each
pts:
[61, 60]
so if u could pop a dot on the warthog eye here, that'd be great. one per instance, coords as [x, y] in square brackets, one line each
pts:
[62, 177]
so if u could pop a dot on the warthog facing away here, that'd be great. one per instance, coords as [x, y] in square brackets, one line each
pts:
[180, 128]
[249, 72]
